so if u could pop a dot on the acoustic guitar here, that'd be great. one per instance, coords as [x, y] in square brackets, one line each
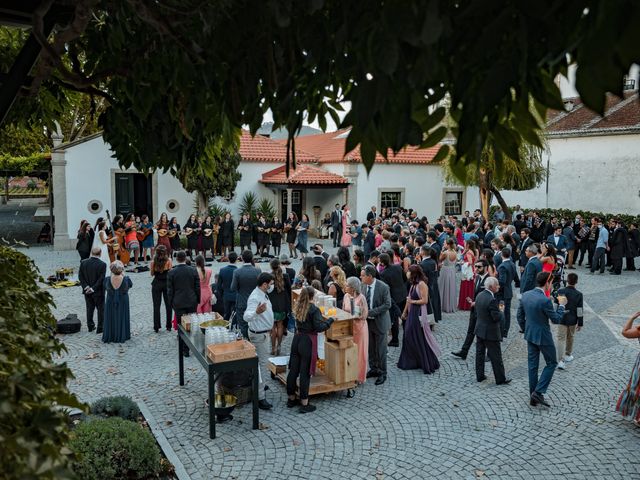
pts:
[143, 233]
[207, 232]
[172, 233]
[188, 231]
[162, 232]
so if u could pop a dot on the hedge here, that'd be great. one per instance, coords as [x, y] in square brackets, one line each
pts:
[547, 213]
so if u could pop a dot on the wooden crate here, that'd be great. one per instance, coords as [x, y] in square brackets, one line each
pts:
[339, 329]
[276, 369]
[225, 352]
[341, 364]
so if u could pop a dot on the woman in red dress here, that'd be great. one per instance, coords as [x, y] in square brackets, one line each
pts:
[163, 225]
[548, 260]
[469, 257]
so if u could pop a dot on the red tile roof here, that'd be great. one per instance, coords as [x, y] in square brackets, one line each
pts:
[303, 175]
[262, 149]
[329, 148]
[621, 114]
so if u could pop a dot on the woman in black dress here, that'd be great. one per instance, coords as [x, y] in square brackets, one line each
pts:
[160, 266]
[191, 229]
[276, 227]
[217, 237]
[206, 237]
[245, 227]
[85, 240]
[174, 226]
[263, 236]
[227, 231]
[304, 349]
[290, 229]
[337, 284]
[280, 298]
[345, 262]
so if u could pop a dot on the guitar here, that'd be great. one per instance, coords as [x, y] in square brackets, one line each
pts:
[143, 233]
[172, 233]
[162, 232]
[188, 231]
[207, 232]
[119, 248]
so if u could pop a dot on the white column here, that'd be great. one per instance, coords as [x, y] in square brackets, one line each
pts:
[61, 240]
[289, 198]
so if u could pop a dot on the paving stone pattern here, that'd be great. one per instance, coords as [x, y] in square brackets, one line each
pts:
[443, 425]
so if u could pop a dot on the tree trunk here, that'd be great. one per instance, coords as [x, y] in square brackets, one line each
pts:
[485, 192]
[503, 204]
[203, 203]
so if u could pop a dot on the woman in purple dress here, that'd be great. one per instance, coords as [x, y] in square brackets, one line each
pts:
[419, 346]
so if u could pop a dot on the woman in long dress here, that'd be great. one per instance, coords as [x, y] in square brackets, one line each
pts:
[419, 347]
[447, 278]
[548, 260]
[466, 285]
[629, 402]
[100, 240]
[303, 231]
[205, 286]
[346, 227]
[85, 237]
[291, 226]
[355, 302]
[117, 322]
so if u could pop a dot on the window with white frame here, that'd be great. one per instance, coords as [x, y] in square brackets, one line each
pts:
[390, 200]
[453, 202]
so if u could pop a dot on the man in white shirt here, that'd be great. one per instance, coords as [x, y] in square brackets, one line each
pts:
[259, 317]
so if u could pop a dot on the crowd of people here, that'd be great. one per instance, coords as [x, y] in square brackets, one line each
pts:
[394, 270]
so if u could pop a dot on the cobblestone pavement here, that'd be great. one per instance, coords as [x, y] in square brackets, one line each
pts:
[443, 425]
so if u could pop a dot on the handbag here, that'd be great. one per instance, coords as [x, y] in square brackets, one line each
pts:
[426, 320]
[467, 271]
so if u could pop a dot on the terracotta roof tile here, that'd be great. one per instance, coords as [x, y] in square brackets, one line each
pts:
[262, 149]
[303, 175]
[620, 113]
[329, 148]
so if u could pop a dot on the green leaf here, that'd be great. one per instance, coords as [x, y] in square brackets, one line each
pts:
[434, 137]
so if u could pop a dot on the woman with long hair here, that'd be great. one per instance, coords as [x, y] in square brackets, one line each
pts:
[466, 285]
[280, 298]
[131, 236]
[174, 241]
[346, 237]
[206, 294]
[355, 302]
[117, 320]
[488, 255]
[146, 226]
[245, 227]
[337, 284]
[102, 241]
[419, 347]
[163, 225]
[159, 268]
[308, 273]
[227, 232]
[447, 277]
[207, 238]
[85, 240]
[276, 228]
[345, 262]
[304, 349]
[303, 232]
[358, 259]
[548, 260]
[191, 226]
[290, 227]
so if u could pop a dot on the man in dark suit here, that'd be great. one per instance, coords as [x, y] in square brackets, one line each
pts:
[368, 242]
[558, 240]
[533, 267]
[619, 245]
[571, 322]
[183, 289]
[243, 283]
[378, 297]
[320, 260]
[488, 332]
[432, 242]
[336, 225]
[393, 276]
[507, 274]
[482, 272]
[488, 235]
[429, 266]
[534, 313]
[91, 275]
[371, 216]
[525, 242]
[225, 277]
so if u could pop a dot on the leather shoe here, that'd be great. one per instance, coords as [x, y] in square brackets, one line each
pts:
[393, 344]
[381, 379]
[91, 328]
[460, 354]
[506, 381]
[264, 405]
[481, 379]
[99, 331]
[372, 374]
[539, 398]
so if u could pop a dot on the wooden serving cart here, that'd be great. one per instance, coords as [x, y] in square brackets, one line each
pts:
[340, 368]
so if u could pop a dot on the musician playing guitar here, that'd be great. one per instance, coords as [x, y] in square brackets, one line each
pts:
[207, 237]
[145, 235]
[263, 236]
[246, 228]
[162, 227]
[131, 236]
[117, 227]
[191, 230]
[174, 234]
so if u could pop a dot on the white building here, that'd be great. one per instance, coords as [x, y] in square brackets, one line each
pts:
[593, 164]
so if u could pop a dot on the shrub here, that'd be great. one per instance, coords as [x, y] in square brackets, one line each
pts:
[113, 448]
[33, 432]
[120, 406]
[547, 213]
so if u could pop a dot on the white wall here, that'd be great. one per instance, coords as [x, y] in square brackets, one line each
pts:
[599, 174]
[250, 182]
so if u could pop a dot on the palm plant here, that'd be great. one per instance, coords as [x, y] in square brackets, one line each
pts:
[266, 208]
[249, 204]
[216, 210]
